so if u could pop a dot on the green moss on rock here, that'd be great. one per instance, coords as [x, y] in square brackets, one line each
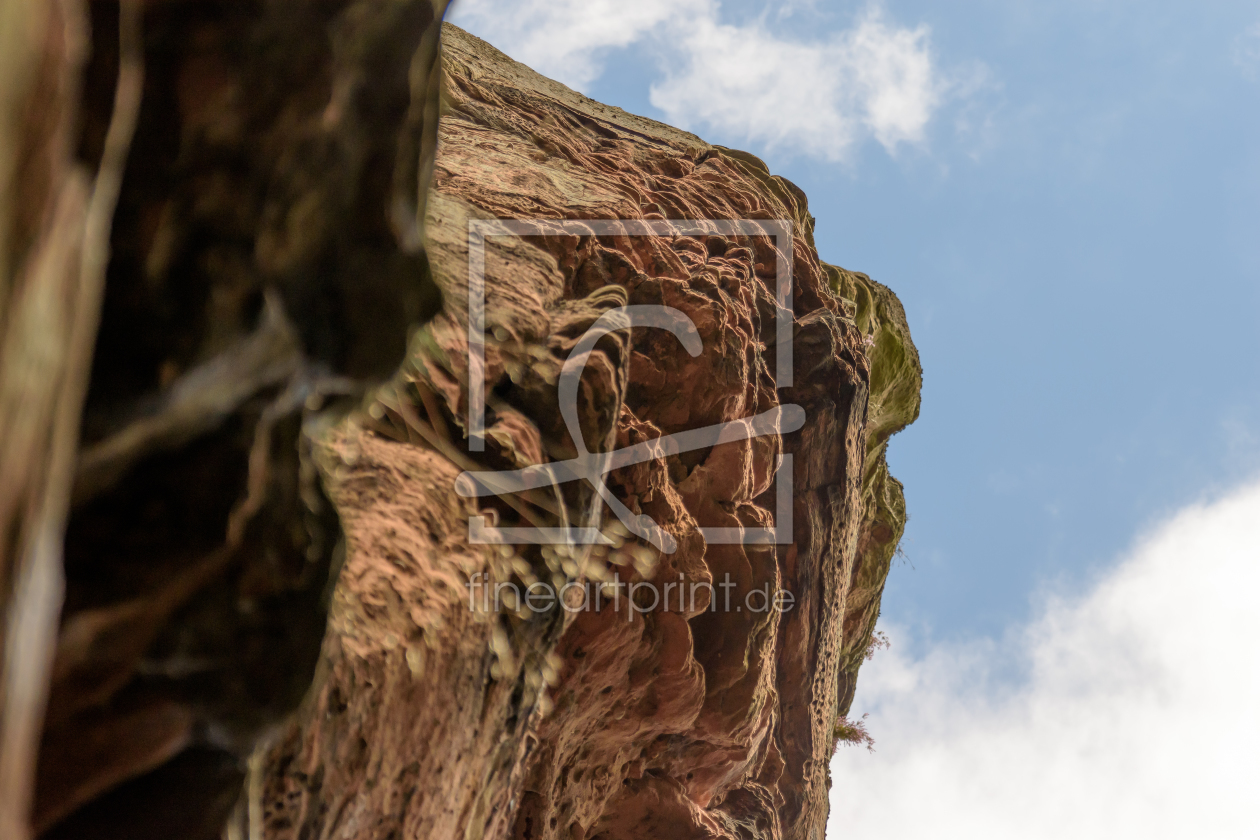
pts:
[895, 384]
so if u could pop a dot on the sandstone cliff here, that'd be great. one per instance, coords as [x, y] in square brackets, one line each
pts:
[434, 719]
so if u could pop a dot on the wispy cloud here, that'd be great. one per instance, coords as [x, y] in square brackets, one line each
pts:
[820, 98]
[1247, 52]
[875, 79]
[568, 40]
[1137, 718]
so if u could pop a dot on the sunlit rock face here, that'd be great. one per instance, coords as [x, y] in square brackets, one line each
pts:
[435, 714]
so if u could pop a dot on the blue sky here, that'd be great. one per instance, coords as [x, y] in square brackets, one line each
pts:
[1065, 197]
[1072, 237]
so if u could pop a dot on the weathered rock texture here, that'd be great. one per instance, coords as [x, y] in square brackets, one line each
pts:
[433, 717]
[233, 190]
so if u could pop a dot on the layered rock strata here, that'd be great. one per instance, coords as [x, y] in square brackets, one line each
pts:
[435, 714]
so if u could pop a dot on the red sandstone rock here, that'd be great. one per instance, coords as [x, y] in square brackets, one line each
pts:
[434, 717]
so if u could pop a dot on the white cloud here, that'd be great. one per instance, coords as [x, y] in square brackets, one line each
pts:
[568, 40]
[874, 79]
[1247, 52]
[818, 98]
[1139, 717]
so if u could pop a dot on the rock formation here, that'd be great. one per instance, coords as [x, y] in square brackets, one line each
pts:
[232, 191]
[435, 717]
[275, 622]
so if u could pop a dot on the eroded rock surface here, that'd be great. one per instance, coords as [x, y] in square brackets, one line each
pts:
[433, 716]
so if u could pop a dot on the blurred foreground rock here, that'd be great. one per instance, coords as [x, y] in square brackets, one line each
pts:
[210, 247]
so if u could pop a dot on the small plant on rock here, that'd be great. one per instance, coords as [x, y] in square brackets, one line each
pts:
[879, 641]
[853, 732]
